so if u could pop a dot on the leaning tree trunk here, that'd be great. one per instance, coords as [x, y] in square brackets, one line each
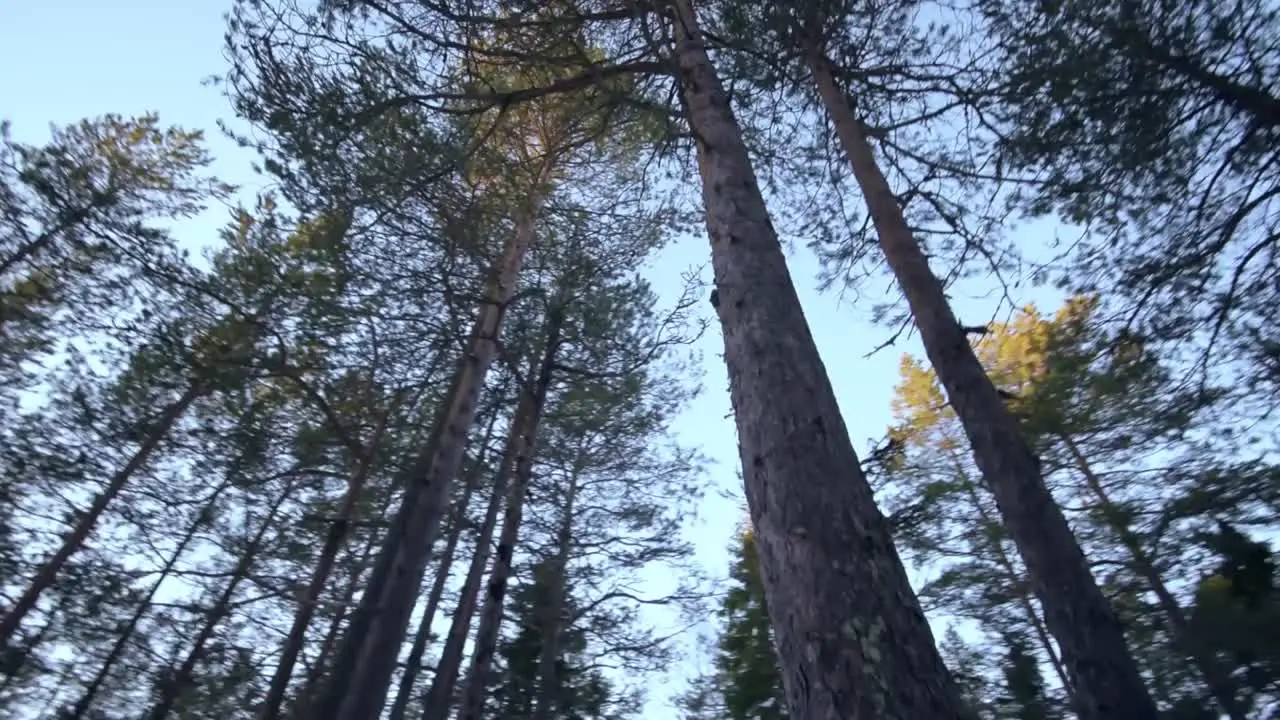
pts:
[439, 695]
[1215, 676]
[852, 639]
[366, 659]
[337, 534]
[306, 695]
[517, 460]
[1015, 579]
[90, 694]
[84, 526]
[1105, 676]
[457, 522]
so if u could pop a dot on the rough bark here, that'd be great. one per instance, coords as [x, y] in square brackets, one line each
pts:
[517, 463]
[366, 659]
[1107, 682]
[852, 639]
[1215, 677]
[84, 526]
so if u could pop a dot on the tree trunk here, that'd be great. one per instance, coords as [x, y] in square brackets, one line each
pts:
[1014, 577]
[517, 460]
[84, 526]
[457, 522]
[366, 659]
[852, 639]
[83, 705]
[1105, 676]
[320, 575]
[182, 680]
[547, 698]
[311, 686]
[1218, 681]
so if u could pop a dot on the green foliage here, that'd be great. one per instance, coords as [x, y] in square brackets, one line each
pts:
[746, 662]
[1128, 449]
[1153, 124]
[746, 682]
[1237, 611]
[79, 239]
[1025, 695]
[582, 693]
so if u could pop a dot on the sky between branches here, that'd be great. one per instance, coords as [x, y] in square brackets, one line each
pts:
[64, 60]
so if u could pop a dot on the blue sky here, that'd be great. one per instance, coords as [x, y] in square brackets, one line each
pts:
[63, 60]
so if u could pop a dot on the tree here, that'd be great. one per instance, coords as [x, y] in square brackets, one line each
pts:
[583, 693]
[79, 234]
[1025, 696]
[1171, 174]
[799, 467]
[1235, 612]
[1107, 682]
[747, 662]
[1122, 442]
[778, 386]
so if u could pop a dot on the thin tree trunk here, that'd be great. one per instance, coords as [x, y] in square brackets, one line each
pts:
[440, 692]
[457, 522]
[1105, 676]
[852, 639]
[1014, 577]
[90, 694]
[320, 575]
[311, 686]
[182, 680]
[366, 658]
[84, 526]
[517, 461]
[1215, 678]
[547, 699]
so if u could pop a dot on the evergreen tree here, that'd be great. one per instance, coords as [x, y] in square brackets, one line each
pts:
[583, 691]
[1164, 149]
[1025, 695]
[1121, 442]
[796, 481]
[747, 663]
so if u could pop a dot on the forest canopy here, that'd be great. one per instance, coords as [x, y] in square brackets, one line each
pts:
[408, 438]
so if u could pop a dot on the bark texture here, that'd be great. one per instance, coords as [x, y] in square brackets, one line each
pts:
[852, 640]
[1106, 679]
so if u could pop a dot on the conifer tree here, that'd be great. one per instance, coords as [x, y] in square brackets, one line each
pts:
[1173, 176]
[747, 664]
[1096, 403]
